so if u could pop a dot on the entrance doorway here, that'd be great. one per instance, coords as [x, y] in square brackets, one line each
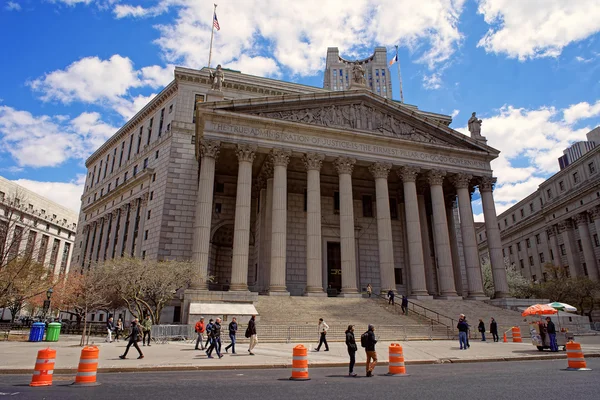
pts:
[334, 266]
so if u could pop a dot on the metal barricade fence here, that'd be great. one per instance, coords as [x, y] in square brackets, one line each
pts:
[166, 333]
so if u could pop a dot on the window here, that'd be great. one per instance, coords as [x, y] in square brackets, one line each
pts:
[101, 192]
[336, 202]
[393, 208]
[585, 271]
[549, 193]
[108, 189]
[2, 195]
[579, 245]
[367, 204]
[199, 98]
[149, 213]
[592, 168]
[130, 146]
[562, 250]
[398, 276]
[125, 177]
[551, 255]
[121, 155]
[561, 185]
[99, 172]
[510, 250]
[160, 124]
[521, 264]
[531, 207]
[576, 177]
[170, 108]
[151, 195]
[145, 163]
[533, 278]
[219, 187]
[505, 223]
[531, 261]
[135, 168]
[545, 275]
[503, 250]
[596, 240]
[513, 218]
[542, 258]
[156, 155]
[519, 246]
[522, 213]
[538, 240]
[528, 243]
[305, 200]
[144, 255]
[146, 235]
[95, 196]
[218, 208]
[47, 227]
[112, 166]
[153, 177]
[117, 182]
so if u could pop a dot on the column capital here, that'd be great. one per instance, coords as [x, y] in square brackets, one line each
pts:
[551, 231]
[380, 170]
[435, 177]
[86, 228]
[144, 199]
[313, 161]
[344, 165]
[567, 224]
[581, 218]
[133, 204]
[486, 183]
[246, 152]
[408, 173]
[280, 157]
[209, 148]
[594, 213]
[461, 181]
[124, 207]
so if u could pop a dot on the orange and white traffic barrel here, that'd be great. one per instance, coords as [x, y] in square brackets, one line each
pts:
[88, 366]
[300, 364]
[516, 335]
[575, 357]
[396, 365]
[44, 368]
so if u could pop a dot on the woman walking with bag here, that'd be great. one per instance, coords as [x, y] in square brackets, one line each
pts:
[351, 345]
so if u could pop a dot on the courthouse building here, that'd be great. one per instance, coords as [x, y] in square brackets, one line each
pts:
[278, 188]
[559, 223]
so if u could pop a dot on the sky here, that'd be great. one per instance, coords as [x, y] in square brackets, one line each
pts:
[74, 71]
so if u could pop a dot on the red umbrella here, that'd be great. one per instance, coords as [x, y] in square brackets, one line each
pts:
[539, 309]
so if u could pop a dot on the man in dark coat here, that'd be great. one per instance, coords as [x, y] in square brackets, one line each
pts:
[232, 332]
[351, 345]
[391, 297]
[136, 333]
[494, 329]
[404, 305]
[251, 334]
[215, 342]
[370, 350]
[551, 329]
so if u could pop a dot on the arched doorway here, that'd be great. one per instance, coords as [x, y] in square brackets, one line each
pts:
[221, 252]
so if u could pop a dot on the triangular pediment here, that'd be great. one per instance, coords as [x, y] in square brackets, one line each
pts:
[360, 111]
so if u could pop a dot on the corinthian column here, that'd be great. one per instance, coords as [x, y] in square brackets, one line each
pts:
[418, 286]
[106, 239]
[122, 230]
[380, 172]
[280, 159]
[142, 225]
[430, 271]
[552, 233]
[209, 151]
[493, 236]
[586, 244]
[595, 215]
[566, 228]
[314, 259]
[344, 167]
[241, 235]
[467, 226]
[268, 225]
[98, 242]
[110, 246]
[134, 207]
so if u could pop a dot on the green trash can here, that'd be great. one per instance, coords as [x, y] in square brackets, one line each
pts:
[53, 332]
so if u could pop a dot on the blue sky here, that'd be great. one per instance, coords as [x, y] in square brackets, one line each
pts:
[74, 71]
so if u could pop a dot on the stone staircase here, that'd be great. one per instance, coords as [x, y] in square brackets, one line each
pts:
[296, 318]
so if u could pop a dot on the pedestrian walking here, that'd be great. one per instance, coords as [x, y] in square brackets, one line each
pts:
[369, 290]
[146, 328]
[391, 295]
[404, 304]
[232, 332]
[463, 328]
[199, 328]
[110, 327]
[135, 336]
[351, 345]
[368, 341]
[323, 328]
[118, 329]
[551, 329]
[494, 329]
[251, 334]
[215, 343]
[481, 329]
[464, 318]
[208, 329]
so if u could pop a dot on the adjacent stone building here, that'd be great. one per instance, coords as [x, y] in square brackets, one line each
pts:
[33, 225]
[559, 223]
[277, 188]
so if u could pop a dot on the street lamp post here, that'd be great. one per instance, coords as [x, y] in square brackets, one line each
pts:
[47, 302]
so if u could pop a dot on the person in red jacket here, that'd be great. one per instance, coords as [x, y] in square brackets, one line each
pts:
[200, 330]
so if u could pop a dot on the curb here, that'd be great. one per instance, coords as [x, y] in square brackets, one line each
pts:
[73, 371]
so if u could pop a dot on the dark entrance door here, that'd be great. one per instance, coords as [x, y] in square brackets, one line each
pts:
[334, 266]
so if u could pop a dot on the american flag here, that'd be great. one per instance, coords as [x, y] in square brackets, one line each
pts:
[216, 22]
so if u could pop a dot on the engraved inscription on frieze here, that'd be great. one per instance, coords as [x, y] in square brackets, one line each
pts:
[355, 116]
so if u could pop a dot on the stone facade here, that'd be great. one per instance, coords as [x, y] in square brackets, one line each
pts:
[277, 188]
[32, 224]
[558, 224]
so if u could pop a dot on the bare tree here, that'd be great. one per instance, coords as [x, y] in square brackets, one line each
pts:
[518, 285]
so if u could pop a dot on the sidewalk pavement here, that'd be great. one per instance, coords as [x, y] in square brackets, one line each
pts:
[19, 357]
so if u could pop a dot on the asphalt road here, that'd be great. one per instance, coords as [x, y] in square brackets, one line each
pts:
[490, 381]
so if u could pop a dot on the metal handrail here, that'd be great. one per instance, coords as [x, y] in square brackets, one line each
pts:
[451, 323]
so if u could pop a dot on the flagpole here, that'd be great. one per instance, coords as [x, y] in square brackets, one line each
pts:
[399, 76]
[212, 34]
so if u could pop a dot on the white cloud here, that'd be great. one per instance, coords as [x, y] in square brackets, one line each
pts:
[581, 110]
[455, 113]
[44, 141]
[129, 107]
[157, 76]
[67, 194]
[297, 36]
[584, 60]
[13, 6]
[532, 29]
[433, 81]
[126, 10]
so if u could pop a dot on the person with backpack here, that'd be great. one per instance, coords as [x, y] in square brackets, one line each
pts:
[323, 327]
[199, 328]
[351, 345]
[215, 342]
[368, 341]
[135, 336]
[251, 334]
[208, 337]
[232, 332]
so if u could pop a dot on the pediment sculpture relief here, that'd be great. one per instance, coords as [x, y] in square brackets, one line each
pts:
[355, 116]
